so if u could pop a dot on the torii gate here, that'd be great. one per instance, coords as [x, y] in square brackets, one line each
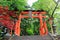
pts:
[43, 28]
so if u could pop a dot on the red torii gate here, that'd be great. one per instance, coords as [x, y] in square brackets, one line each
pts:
[7, 22]
[43, 28]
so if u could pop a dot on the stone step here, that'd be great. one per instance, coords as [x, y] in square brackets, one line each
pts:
[32, 37]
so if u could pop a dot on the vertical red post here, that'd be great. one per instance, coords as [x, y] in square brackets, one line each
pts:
[41, 29]
[45, 27]
[17, 26]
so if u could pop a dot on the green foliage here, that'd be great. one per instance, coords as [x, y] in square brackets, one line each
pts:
[14, 4]
[47, 5]
[29, 26]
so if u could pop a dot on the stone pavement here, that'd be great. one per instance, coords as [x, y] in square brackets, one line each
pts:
[32, 37]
